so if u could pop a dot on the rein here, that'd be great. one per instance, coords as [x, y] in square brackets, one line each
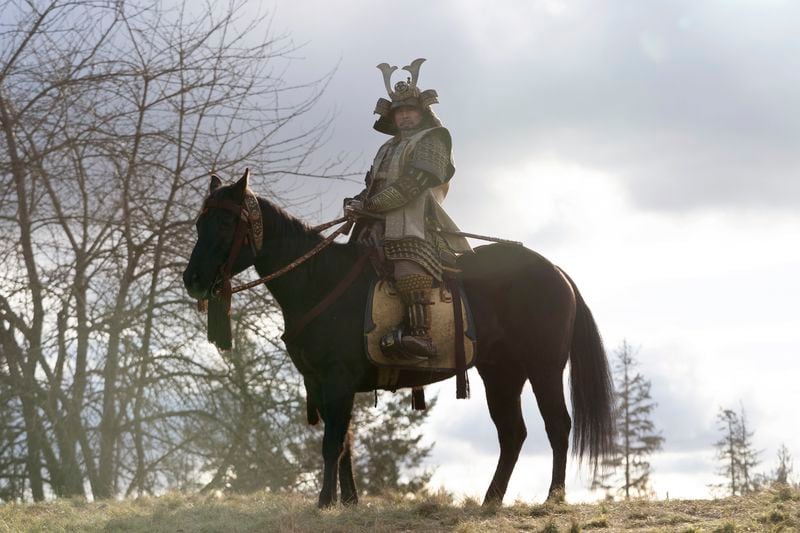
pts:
[241, 231]
[344, 228]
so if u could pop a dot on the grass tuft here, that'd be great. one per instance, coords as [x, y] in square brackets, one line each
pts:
[549, 527]
[785, 493]
[599, 522]
[539, 510]
[263, 511]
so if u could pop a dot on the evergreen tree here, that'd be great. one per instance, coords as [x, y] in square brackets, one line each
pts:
[782, 474]
[736, 453]
[748, 456]
[627, 468]
[727, 454]
[254, 435]
[388, 454]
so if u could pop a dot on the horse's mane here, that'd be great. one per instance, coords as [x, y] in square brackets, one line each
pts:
[276, 219]
[294, 232]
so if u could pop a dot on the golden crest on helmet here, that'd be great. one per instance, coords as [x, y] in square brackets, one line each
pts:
[404, 92]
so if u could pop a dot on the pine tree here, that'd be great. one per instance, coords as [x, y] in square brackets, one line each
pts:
[783, 472]
[748, 456]
[728, 424]
[736, 453]
[636, 438]
[254, 433]
[388, 454]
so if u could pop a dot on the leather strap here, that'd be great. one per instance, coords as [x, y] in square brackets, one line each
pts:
[462, 385]
[238, 239]
[418, 399]
[213, 203]
[331, 297]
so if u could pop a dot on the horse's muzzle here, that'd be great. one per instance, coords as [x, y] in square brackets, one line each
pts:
[191, 280]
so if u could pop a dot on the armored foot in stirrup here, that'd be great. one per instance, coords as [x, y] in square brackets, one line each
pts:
[412, 340]
[398, 344]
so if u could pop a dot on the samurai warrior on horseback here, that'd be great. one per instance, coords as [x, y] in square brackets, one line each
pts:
[400, 207]
[529, 317]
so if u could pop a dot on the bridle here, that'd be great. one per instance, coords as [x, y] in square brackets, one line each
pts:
[248, 215]
[249, 227]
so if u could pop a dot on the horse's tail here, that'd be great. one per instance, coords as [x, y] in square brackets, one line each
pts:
[591, 386]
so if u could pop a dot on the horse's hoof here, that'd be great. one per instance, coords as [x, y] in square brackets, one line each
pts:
[353, 500]
[492, 502]
[325, 503]
[556, 495]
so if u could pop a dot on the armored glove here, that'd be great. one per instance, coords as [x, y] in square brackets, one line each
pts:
[355, 203]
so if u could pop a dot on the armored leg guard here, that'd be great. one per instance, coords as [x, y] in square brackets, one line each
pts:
[413, 341]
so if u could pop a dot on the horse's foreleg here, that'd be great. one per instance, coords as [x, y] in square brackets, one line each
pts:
[337, 407]
[346, 481]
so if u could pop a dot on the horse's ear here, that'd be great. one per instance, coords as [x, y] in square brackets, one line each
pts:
[215, 184]
[240, 187]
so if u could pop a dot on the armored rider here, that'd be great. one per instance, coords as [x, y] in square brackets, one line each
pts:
[405, 187]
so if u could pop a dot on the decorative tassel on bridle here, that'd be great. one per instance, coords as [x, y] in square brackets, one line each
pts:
[219, 317]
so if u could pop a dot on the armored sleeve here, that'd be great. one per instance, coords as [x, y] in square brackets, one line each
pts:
[432, 156]
[430, 165]
[402, 191]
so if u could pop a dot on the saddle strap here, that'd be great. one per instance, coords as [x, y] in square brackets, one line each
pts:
[418, 399]
[462, 383]
[323, 304]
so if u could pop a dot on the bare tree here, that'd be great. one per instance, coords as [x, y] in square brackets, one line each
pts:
[636, 437]
[112, 114]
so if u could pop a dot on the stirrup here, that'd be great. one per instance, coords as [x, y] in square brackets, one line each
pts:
[400, 346]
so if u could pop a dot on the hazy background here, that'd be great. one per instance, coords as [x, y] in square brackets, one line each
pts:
[649, 149]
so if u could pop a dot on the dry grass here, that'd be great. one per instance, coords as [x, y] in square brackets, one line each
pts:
[776, 510]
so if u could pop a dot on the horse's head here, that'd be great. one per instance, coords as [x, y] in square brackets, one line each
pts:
[220, 219]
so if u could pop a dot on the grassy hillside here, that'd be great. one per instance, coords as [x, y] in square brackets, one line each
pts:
[776, 510]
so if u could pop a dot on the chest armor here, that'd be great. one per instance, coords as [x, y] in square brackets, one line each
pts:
[389, 162]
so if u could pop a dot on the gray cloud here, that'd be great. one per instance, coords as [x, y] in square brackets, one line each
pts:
[691, 104]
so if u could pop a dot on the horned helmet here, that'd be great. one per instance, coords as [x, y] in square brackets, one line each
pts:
[405, 93]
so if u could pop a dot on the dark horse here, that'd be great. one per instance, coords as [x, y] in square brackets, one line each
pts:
[530, 319]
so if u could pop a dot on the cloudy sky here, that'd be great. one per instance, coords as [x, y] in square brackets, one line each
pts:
[651, 149]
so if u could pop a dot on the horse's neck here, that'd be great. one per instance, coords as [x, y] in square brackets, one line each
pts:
[286, 240]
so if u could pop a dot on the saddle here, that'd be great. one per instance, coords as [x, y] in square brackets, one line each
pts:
[455, 354]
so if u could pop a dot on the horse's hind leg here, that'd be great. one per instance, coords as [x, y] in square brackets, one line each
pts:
[346, 481]
[503, 389]
[549, 390]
